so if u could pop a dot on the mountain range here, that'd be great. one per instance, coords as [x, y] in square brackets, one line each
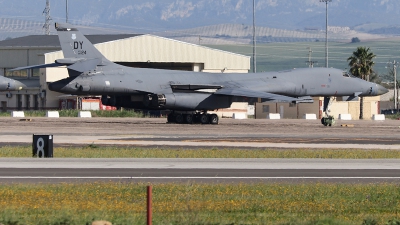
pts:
[157, 15]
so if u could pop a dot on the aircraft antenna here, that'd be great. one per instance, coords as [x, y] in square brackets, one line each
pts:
[326, 32]
[48, 19]
[254, 38]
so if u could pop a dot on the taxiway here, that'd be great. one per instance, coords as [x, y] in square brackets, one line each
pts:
[230, 133]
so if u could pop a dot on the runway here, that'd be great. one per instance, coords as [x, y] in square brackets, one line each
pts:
[30, 170]
[230, 133]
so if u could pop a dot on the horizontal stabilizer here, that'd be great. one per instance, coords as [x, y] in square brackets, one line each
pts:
[69, 61]
[255, 94]
[85, 65]
[37, 66]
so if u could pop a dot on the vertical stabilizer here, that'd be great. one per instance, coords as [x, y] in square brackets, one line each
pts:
[75, 45]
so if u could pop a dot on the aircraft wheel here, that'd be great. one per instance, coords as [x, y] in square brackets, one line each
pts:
[324, 121]
[178, 118]
[196, 118]
[170, 118]
[214, 119]
[204, 118]
[189, 118]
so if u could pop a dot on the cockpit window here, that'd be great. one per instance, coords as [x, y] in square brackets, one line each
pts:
[348, 74]
[345, 74]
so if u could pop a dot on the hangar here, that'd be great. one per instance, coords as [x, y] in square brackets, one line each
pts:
[145, 51]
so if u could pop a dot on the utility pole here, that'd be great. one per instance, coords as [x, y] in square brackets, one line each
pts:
[395, 87]
[395, 64]
[254, 38]
[326, 34]
[66, 11]
[309, 62]
[46, 12]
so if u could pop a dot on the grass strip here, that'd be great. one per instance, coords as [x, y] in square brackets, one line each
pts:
[94, 151]
[125, 203]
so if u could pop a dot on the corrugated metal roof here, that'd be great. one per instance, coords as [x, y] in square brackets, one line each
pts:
[52, 40]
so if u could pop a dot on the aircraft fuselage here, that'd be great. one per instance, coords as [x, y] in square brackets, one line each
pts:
[137, 83]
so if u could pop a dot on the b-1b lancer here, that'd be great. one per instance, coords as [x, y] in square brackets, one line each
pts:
[189, 95]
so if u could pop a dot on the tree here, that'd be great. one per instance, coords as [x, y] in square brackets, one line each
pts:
[361, 65]
[355, 40]
[375, 77]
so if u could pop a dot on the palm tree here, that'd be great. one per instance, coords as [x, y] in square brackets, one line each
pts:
[361, 63]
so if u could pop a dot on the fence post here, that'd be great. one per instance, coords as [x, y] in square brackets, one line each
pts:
[149, 210]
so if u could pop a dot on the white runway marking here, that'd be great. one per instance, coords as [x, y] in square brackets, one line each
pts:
[264, 178]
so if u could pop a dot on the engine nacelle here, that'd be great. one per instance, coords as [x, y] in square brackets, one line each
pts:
[187, 101]
[173, 101]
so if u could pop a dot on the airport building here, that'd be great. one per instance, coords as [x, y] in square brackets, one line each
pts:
[338, 108]
[144, 51]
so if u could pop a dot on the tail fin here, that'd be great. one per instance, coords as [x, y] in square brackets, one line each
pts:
[75, 45]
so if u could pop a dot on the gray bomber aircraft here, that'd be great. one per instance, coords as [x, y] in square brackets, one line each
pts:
[189, 95]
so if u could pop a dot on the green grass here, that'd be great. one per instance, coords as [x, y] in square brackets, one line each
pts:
[393, 117]
[94, 151]
[125, 203]
[283, 56]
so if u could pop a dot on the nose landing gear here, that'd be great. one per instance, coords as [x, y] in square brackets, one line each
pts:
[328, 120]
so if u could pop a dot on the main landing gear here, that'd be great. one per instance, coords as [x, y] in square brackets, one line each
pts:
[328, 120]
[190, 118]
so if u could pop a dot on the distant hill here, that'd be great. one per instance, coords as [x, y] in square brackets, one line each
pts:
[12, 28]
[214, 34]
[389, 30]
[152, 15]
[243, 34]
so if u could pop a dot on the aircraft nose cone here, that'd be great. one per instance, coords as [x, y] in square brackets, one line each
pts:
[382, 90]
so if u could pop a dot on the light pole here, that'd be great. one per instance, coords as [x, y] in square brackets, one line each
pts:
[254, 37]
[310, 62]
[66, 11]
[395, 65]
[326, 34]
[395, 87]
[395, 83]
